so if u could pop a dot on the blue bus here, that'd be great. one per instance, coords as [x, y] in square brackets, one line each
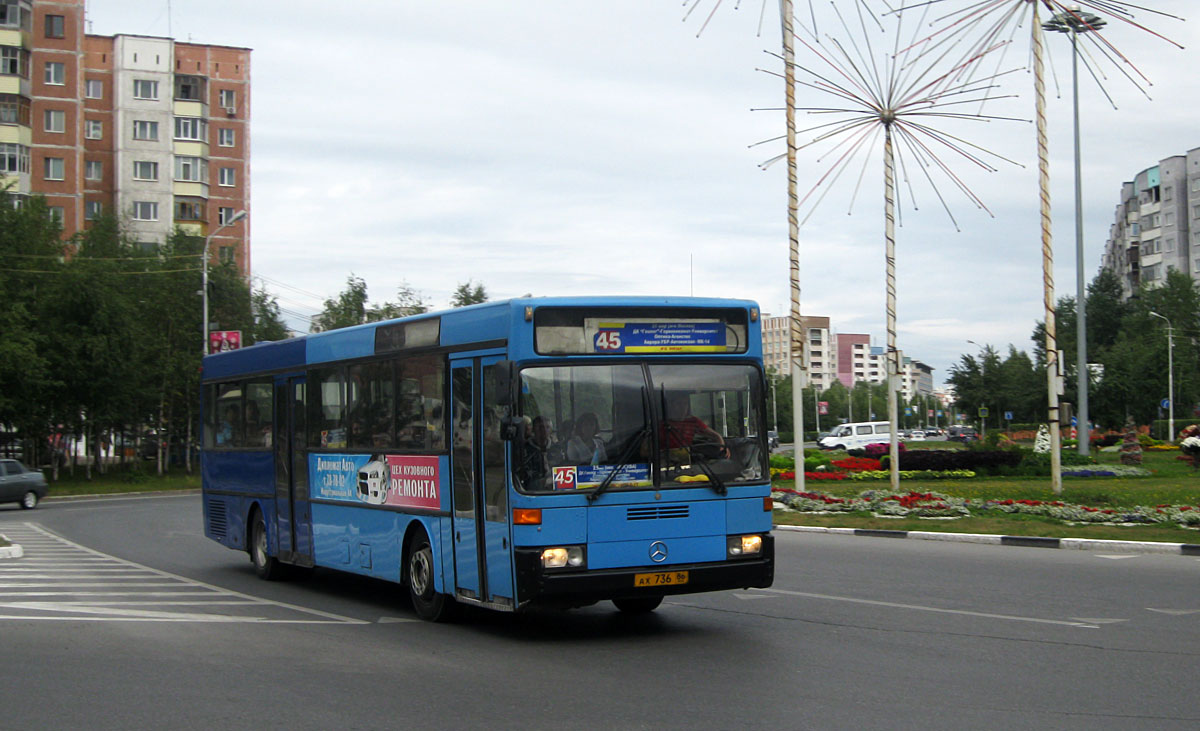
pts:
[536, 451]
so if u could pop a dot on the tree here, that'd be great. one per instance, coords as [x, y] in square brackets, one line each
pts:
[349, 308]
[268, 322]
[408, 302]
[465, 295]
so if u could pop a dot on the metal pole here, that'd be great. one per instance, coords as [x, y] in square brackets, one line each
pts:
[797, 349]
[1081, 369]
[889, 214]
[1052, 369]
[1170, 382]
[204, 296]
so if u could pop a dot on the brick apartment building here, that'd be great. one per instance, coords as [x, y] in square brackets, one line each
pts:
[153, 130]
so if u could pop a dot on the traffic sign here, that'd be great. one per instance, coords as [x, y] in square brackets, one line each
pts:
[1074, 421]
[983, 412]
[1166, 403]
[1008, 416]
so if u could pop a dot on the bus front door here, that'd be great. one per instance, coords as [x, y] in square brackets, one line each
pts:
[482, 567]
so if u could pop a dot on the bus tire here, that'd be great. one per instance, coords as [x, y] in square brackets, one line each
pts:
[266, 566]
[427, 602]
[638, 605]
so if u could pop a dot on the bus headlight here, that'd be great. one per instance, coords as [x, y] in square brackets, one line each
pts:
[739, 546]
[564, 557]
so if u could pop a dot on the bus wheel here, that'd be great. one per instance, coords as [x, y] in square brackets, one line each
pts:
[427, 602]
[265, 565]
[638, 605]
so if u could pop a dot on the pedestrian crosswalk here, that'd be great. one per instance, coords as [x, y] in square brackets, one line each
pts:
[59, 580]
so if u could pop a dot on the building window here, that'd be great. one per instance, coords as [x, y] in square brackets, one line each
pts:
[145, 130]
[14, 109]
[93, 170]
[56, 73]
[189, 88]
[226, 137]
[145, 89]
[145, 170]
[1169, 220]
[55, 27]
[189, 209]
[191, 128]
[226, 254]
[224, 215]
[191, 170]
[14, 61]
[1196, 185]
[93, 89]
[14, 158]
[55, 120]
[53, 168]
[93, 129]
[57, 213]
[228, 177]
[145, 211]
[1170, 244]
[227, 99]
[92, 210]
[1168, 193]
[12, 15]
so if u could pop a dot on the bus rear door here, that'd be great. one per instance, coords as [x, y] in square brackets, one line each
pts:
[292, 507]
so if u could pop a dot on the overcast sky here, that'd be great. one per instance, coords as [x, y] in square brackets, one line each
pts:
[562, 147]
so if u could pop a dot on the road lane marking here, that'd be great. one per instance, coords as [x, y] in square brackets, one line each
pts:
[60, 580]
[1174, 612]
[939, 610]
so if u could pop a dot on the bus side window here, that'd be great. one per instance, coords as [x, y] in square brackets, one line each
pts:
[327, 408]
[228, 409]
[259, 414]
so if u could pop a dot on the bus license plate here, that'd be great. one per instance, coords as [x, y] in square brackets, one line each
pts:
[661, 578]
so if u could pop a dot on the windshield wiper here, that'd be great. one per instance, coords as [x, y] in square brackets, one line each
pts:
[621, 464]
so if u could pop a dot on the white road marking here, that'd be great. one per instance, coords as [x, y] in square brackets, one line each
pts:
[60, 580]
[1174, 612]
[939, 610]
[1116, 556]
[1091, 620]
[745, 596]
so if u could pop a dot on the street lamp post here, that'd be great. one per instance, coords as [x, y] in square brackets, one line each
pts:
[1074, 21]
[204, 276]
[1170, 377]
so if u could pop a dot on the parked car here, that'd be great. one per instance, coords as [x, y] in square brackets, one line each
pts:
[772, 439]
[19, 484]
[933, 431]
[962, 434]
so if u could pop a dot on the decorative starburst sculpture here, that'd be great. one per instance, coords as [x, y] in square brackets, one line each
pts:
[966, 27]
[905, 95]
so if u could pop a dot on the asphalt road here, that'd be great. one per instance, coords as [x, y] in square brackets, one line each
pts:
[122, 615]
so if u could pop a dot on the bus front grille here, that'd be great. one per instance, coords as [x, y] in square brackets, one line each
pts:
[656, 512]
[218, 521]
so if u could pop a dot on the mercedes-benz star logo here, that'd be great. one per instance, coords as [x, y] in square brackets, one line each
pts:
[658, 552]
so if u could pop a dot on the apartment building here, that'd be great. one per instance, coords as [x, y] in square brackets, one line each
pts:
[155, 131]
[846, 357]
[820, 358]
[1157, 224]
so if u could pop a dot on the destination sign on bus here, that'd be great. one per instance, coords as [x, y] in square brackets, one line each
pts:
[660, 337]
[572, 477]
[400, 480]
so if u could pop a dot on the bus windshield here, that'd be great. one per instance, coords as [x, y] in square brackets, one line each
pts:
[626, 427]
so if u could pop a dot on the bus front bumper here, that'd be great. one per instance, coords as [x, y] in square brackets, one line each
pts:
[576, 588]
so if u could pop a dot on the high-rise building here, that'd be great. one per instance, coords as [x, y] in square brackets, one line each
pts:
[821, 362]
[152, 130]
[1157, 224]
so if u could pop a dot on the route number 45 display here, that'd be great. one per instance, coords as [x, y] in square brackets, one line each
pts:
[608, 340]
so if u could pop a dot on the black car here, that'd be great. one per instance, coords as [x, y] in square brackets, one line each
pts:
[19, 484]
[772, 439]
[962, 434]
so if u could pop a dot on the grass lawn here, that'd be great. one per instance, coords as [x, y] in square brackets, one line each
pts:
[1173, 482]
[120, 480]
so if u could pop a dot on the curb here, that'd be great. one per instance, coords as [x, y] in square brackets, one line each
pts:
[13, 550]
[102, 495]
[1078, 544]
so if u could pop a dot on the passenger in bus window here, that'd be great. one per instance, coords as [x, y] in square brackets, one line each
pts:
[225, 434]
[586, 446]
[534, 465]
[254, 426]
[682, 429]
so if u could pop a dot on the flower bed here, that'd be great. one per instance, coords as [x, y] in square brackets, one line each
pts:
[937, 505]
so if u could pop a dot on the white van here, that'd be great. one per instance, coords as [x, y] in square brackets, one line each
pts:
[857, 435]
